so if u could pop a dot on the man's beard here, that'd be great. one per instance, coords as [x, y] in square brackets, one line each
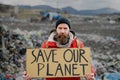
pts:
[62, 38]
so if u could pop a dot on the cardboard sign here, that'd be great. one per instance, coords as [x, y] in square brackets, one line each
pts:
[58, 62]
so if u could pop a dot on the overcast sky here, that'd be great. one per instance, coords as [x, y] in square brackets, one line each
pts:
[77, 4]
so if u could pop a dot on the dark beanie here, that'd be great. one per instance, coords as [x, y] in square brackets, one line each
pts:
[62, 20]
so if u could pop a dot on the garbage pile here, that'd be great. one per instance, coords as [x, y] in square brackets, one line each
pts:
[13, 46]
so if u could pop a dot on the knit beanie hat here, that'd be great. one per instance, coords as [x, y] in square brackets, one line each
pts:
[63, 20]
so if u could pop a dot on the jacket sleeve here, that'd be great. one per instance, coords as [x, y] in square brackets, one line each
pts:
[44, 44]
[80, 44]
[92, 70]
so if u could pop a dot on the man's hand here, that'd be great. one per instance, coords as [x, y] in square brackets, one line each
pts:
[89, 77]
[26, 76]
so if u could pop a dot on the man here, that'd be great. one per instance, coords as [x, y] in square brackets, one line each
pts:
[63, 37]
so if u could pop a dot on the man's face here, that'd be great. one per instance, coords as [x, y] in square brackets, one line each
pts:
[63, 33]
[63, 29]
